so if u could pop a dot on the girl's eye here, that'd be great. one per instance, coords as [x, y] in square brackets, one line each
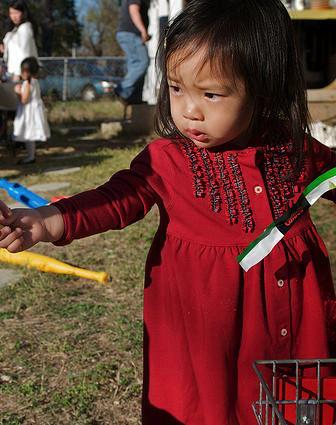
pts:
[212, 96]
[175, 90]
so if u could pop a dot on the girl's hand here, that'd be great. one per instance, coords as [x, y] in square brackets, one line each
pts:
[22, 228]
[17, 88]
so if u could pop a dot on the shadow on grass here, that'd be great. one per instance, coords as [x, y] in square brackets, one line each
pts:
[76, 148]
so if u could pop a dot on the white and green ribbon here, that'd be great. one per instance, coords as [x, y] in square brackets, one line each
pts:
[264, 243]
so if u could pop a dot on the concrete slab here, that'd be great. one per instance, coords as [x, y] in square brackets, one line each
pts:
[48, 187]
[75, 130]
[59, 150]
[61, 171]
[8, 276]
[9, 172]
[110, 129]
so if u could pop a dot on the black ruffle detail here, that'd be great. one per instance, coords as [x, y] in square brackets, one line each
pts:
[277, 168]
[213, 185]
[196, 168]
[239, 184]
[223, 186]
[230, 198]
[221, 179]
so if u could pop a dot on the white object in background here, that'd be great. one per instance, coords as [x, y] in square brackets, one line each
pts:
[158, 9]
[324, 133]
[287, 3]
[175, 7]
[299, 4]
[19, 44]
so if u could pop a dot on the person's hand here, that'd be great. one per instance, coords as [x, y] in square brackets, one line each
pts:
[17, 88]
[145, 36]
[2, 48]
[22, 228]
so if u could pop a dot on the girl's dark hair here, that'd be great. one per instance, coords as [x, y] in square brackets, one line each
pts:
[31, 65]
[254, 40]
[22, 6]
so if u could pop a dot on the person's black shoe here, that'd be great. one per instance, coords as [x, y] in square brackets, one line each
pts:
[19, 145]
[121, 100]
[139, 102]
[26, 161]
[130, 102]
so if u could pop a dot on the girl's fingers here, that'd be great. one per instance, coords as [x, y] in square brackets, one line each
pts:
[4, 232]
[7, 221]
[5, 212]
[8, 236]
[16, 246]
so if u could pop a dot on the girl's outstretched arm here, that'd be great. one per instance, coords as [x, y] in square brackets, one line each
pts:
[126, 198]
[24, 227]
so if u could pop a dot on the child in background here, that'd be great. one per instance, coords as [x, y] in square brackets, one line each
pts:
[30, 124]
[234, 155]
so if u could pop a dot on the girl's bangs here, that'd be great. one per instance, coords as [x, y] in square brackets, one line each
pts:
[214, 52]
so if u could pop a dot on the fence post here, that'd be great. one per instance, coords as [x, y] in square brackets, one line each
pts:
[65, 80]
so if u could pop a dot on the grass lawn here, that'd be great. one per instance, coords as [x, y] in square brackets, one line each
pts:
[83, 112]
[70, 350]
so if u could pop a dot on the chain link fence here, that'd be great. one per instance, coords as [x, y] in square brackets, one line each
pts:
[86, 78]
[80, 78]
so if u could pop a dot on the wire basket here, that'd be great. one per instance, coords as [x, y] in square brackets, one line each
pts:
[296, 392]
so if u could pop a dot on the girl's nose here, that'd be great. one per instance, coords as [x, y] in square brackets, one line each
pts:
[192, 111]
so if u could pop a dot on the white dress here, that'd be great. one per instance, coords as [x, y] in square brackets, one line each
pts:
[19, 44]
[30, 124]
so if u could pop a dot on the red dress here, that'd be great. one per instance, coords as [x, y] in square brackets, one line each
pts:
[206, 320]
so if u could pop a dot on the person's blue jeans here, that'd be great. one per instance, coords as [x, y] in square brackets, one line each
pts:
[137, 61]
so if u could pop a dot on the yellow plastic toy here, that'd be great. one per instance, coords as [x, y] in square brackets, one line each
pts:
[49, 265]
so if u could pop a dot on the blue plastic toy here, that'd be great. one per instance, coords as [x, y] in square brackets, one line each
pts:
[22, 194]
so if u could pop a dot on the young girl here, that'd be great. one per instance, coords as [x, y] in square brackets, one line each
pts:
[19, 42]
[30, 124]
[234, 157]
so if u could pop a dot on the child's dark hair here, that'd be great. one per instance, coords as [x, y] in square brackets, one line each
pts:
[253, 40]
[31, 65]
[22, 6]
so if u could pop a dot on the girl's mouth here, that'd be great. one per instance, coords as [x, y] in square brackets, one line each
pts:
[196, 135]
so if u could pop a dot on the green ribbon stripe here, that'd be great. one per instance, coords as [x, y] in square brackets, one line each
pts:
[265, 242]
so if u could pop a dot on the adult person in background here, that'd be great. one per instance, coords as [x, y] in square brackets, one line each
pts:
[132, 36]
[19, 42]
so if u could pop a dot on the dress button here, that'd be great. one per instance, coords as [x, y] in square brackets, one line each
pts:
[258, 189]
[284, 332]
[281, 283]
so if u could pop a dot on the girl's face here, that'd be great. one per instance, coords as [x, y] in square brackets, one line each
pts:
[25, 74]
[207, 109]
[15, 16]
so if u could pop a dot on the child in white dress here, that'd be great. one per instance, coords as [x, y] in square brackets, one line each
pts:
[30, 124]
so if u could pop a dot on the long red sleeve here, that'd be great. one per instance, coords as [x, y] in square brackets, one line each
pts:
[124, 199]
